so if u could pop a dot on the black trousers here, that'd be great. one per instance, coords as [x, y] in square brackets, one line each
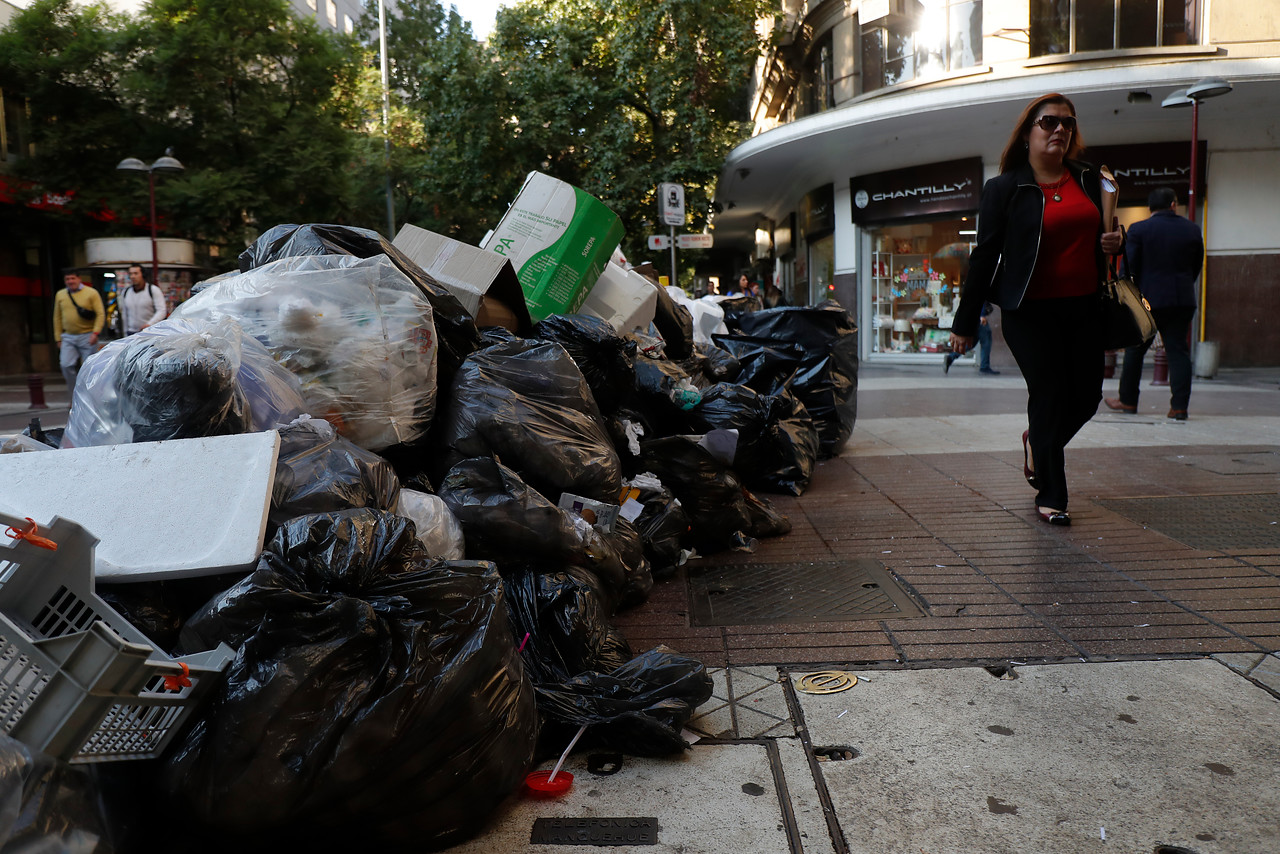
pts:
[1174, 324]
[1057, 344]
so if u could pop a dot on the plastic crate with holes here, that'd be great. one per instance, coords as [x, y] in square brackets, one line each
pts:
[77, 680]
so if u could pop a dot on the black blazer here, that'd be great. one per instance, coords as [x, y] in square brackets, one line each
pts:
[1010, 216]
[1165, 254]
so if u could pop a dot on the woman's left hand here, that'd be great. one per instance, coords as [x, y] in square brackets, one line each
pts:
[1113, 241]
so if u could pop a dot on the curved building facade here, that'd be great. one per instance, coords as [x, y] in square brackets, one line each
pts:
[877, 123]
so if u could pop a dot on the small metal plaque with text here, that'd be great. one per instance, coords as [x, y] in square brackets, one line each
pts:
[594, 831]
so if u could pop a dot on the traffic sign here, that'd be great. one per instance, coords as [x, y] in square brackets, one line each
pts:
[671, 203]
[693, 241]
[659, 241]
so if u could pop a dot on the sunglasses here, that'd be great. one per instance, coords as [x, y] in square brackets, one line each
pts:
[1049, 124]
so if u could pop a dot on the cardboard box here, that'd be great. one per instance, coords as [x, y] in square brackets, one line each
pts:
[483, 282]
[624, 298]
[559, 240]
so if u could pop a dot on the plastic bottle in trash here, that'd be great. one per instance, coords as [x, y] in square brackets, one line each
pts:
[685, 395]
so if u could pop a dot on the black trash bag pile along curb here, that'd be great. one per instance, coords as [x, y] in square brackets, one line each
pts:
[385, 697]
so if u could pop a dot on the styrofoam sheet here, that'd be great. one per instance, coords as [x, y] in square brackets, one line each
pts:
[176, 509]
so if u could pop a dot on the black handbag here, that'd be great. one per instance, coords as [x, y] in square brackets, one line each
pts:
[85, 313]
[1126, 316]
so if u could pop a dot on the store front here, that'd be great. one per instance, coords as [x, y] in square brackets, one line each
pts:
[916, 228]
[818, 226]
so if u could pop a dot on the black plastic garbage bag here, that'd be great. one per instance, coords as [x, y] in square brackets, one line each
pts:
[675, 324]
[663, 525]
[719, 366]
[638, 709]
[626, 541]
[529, 404]
[777, 440]
[48, 806]
[735, 308]
[505, 520]
[763, 365]
[664, 393]
[709, 491]
[565, 614]
[319, 471]
[456, 327]
[827, 379]
[180, 387]
[606, 359]
[376, 701]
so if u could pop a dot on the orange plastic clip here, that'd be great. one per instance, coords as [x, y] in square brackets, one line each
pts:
[177, 683]
[30, 536]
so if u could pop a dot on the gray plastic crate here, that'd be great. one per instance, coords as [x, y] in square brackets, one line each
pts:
[77, 680]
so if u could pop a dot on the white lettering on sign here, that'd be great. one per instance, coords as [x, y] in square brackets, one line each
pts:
[931, 190]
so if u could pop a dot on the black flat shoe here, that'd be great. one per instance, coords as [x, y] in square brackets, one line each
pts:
[1026, 458]
[1053, 517]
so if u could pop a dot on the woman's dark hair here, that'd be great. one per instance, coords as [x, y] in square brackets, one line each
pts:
[1015, 152]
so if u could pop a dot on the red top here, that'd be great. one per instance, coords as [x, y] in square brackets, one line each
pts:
[1066, 265]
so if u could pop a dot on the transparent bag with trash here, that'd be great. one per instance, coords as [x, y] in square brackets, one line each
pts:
[180, 379]
[355, 331]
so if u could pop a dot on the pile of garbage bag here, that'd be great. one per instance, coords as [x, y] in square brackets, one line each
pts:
[457, 515]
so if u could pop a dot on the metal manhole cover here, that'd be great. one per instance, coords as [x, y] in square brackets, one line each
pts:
[1246, 462]
[822, 592]
[826, 682]
[1217, 522]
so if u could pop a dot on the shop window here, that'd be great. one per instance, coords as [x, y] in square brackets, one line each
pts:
[914, 282]
[920, 39]
[822, 268]
[1074, 26]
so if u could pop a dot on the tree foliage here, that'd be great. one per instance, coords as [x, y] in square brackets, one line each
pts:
[276, 121]
[242, 90]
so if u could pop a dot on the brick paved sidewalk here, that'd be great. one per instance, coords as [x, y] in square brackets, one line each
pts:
[995, 583]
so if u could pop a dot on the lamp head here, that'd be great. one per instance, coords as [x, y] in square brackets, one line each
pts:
[1208, 87]
[132, 164]
[1178, 99]
[167, 164]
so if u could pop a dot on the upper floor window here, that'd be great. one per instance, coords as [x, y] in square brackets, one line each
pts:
[818, 75]
[906, 40]
[1071, 26]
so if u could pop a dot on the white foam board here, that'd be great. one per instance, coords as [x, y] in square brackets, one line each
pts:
[176, 509]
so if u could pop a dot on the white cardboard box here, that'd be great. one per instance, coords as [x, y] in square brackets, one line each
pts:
[476, 277]
[624, 298]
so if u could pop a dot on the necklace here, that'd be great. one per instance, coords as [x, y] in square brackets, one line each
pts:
[1057, 197]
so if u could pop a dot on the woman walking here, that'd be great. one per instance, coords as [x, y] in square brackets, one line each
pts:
[1040, 257]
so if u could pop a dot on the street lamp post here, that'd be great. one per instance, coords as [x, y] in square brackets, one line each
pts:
[1205, 87]
[168, 164]
[1208, 87]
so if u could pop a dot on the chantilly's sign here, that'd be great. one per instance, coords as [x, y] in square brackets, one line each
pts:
[917, 191]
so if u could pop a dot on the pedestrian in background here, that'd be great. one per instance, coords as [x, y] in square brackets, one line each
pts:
[1040, 257]
[1165, 254]
[984, 343]
[141, 304]
[78, 318]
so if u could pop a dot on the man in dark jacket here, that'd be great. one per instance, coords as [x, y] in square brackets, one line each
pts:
[1165, 254]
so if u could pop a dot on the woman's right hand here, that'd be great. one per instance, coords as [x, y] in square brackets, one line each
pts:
[962, 343]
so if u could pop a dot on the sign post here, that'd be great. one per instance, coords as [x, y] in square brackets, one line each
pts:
[671, 207]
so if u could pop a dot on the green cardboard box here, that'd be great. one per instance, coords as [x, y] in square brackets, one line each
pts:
[559, 239]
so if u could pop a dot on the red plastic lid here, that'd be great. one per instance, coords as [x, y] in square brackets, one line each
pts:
[539, 786]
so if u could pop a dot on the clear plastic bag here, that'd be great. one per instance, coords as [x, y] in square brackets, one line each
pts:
[357, 333]
[180, 378]
[438, 529]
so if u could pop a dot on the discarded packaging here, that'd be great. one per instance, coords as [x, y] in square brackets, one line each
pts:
[559, 239]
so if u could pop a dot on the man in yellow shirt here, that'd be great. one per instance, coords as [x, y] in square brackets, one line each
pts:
[77, 319]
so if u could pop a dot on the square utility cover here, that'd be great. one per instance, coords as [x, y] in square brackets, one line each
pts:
[823, 591]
